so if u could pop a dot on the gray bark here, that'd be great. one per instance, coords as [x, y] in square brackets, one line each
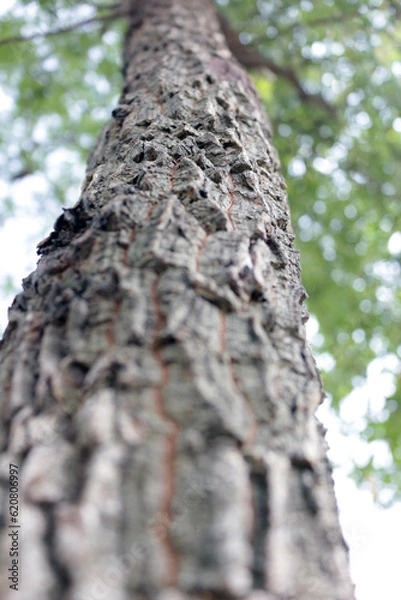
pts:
[157, 391]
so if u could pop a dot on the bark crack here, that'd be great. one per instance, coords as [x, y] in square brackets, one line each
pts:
[260, 525]
[60, 571]
[170, 447]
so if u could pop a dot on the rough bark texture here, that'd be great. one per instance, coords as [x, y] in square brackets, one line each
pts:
[157, 391]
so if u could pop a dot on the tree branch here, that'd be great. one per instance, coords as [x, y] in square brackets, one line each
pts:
[339, 18]
[396, 8]
[99, 19]
[100, 6]
[252, 59]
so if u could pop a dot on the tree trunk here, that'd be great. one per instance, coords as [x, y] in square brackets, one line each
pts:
[157, 391]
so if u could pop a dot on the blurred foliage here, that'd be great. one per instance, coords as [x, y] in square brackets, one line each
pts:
[341, 163]
[61, 86]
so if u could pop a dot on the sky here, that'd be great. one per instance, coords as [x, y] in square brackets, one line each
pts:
[371, 532]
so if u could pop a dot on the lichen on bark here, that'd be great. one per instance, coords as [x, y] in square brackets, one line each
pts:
[158, 391]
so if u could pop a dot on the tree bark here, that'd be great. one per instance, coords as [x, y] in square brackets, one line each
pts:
[157, 391]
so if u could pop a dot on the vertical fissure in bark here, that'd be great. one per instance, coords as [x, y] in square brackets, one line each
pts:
[260, 527]
[170, 445]
[62, 575]
[155, 374]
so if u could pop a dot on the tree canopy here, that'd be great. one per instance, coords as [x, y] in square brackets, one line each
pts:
[329, 75]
